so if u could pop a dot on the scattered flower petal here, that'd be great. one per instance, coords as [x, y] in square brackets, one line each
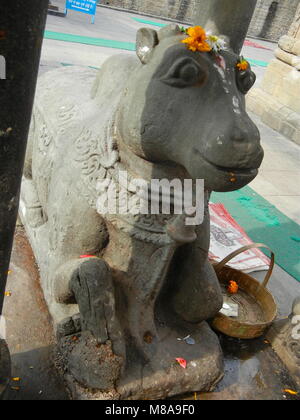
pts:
[182, 362]
[290, 391]
[88, 256]
[7, 294]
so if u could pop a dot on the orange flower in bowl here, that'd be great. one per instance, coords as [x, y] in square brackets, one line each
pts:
[233, 287]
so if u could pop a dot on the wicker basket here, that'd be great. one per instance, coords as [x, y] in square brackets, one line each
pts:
[257, 307]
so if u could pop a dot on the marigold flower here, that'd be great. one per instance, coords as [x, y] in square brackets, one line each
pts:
[242, 65]
[197, 40]
[233, 287]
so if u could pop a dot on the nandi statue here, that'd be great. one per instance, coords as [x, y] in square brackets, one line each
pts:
[125, 289]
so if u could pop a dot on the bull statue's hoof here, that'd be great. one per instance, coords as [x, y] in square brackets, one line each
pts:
[124, 287]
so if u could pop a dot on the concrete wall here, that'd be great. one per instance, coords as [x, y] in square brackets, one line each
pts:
[174, 9]
[271, 19]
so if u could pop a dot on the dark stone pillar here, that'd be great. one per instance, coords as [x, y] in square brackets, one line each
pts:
[227, 17]
[21, 34]
[4, 368]
[183, 8]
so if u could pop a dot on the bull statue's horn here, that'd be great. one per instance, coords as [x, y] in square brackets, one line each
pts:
[227, 17]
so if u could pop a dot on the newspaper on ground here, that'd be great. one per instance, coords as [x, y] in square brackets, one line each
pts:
[226, 236]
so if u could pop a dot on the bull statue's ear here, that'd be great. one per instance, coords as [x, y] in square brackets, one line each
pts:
[146, 41]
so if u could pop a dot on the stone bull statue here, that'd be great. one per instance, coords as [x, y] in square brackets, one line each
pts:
[139, 282]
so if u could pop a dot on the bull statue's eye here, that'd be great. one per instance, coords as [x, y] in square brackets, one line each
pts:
[185, 72]
[245, 80]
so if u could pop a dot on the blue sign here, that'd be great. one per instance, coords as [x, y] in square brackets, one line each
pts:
[84, 6]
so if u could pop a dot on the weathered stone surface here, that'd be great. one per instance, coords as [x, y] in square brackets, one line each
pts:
[181, 10]
[287, 43]
[288, 58]
[284, 336]
[91, 364]
[294, 30]
[272, 19]
[277, 100]
[139, 281]
[274, 114]
[161, 379]
[96, 366]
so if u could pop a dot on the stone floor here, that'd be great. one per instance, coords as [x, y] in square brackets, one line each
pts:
[29, 332]
[279, 176]
[252, 369]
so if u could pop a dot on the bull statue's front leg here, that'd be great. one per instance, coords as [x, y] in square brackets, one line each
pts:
[95, 332]
[92, 286]
[87, 282]
[149, 280]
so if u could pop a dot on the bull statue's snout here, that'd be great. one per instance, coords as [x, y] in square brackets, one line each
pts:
[245, 143]
[230, 156]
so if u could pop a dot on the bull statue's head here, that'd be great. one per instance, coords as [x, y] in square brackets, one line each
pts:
[187, 108]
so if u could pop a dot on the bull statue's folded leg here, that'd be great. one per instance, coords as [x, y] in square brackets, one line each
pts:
[96, 329]
[94, 293]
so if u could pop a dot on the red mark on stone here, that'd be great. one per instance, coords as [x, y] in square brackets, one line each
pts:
[221, 62]
[88, 256]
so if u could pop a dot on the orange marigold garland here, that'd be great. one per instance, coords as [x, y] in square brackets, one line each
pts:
[197, 39]
[243, 64]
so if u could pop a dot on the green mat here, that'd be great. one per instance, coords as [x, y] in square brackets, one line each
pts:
[259, 63]
[264, 223]
[100, 42]
[110, 43]
[149, 22]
